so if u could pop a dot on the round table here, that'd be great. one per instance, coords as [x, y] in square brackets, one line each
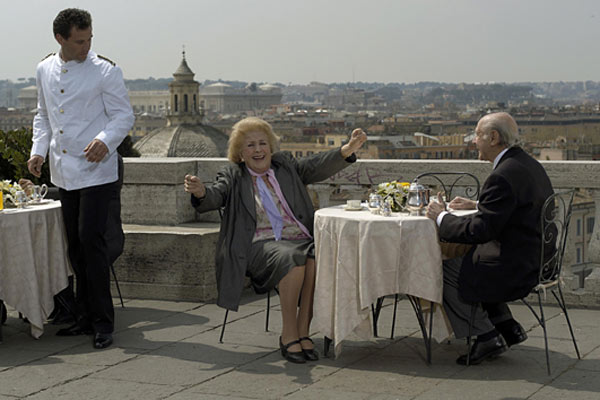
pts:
[34, 263]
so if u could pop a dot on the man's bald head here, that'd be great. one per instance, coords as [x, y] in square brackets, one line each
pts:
[504, 124]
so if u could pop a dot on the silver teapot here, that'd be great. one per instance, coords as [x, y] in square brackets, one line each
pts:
[418, 198]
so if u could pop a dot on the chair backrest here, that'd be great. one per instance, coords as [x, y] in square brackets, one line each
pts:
[554, 223]
[449, 181]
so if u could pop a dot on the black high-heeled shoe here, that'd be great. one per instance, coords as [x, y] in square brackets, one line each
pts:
[292, 356]
[309, 354]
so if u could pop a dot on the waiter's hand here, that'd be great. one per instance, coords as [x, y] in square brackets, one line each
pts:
[193, 185]
[34, 165]
[95, 151]
[436, 207]
[460, 203]
[26, 185]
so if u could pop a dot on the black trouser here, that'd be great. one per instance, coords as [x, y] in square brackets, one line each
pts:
[85, 213]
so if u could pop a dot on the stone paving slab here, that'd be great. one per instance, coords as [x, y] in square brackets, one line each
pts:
[171, 350]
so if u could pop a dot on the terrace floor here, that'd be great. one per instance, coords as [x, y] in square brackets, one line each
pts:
[170, 350]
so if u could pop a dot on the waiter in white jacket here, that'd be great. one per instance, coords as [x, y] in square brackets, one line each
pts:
[83, 115]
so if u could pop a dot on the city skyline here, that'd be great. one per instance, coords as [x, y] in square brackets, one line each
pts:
[336, 41]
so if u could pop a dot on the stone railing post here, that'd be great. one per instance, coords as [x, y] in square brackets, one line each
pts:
[323, 191]
[594, 245]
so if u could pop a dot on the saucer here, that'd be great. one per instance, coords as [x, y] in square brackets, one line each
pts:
[39, 203]
[354, 208]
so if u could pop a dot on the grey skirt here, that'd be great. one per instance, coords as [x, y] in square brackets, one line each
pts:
[271, 260]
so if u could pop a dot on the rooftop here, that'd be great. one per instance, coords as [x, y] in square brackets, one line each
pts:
[171, 350]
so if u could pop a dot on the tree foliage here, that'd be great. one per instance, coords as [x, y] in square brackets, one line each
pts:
[15, 147]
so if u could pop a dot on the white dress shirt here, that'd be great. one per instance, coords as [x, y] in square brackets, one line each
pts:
[77, 103]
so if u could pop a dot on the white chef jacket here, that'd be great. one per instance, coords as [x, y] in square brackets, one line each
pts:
[77, 103]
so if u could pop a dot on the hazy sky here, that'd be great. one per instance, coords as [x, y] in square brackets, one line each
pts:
[323, 40]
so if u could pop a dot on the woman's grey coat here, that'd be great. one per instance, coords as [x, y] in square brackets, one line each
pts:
[233, 193]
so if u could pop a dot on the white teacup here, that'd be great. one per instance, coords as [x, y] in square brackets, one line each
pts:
[353, 203]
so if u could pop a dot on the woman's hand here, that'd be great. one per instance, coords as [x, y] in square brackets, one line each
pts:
[460, 203]
[193, 185]
[356, 141]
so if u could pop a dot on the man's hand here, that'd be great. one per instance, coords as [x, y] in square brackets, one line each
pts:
[193, 185]
[436, 207]
[95, 151]
[34, 165]
[357, 139]
[460, 203]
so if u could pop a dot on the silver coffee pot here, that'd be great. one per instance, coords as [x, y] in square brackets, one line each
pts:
[418, 198]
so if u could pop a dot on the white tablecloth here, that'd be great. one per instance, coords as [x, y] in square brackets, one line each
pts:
[361, 256]
[34, 263]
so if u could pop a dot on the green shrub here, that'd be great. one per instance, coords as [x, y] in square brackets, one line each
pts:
[15, 147]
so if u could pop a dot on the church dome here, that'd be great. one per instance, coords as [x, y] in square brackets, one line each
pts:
[267, 87]
[196, 140]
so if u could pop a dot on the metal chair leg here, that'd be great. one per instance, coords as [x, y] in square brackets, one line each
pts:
[268, 309]
[563, 306]
[223, 327]
[112, 268]
[542, 321]
[2, 313]
[469, 340]
[394, 316]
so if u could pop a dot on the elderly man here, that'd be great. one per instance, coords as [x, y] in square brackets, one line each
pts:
[502, 265]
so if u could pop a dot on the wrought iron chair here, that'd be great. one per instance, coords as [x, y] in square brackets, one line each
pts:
[266, 319]
[227, 311]
[554, 224]
[447, 182]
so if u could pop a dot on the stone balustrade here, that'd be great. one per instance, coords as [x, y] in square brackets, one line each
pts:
[153, 197]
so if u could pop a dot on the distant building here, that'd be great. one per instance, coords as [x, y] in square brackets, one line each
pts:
[184, 134]
[225, 99]
[27, 98]
[154, 102]
[11, 119]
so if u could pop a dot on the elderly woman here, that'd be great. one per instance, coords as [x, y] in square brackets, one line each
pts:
[267, 224]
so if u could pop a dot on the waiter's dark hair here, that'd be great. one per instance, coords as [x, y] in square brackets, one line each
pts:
[71, 17]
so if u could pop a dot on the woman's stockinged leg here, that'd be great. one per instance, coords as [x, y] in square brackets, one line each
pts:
[289, 291]
[306, 303]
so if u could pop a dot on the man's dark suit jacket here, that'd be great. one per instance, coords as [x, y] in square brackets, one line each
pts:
[506, 230]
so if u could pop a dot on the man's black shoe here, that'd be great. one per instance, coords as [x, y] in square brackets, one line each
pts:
[74, 330]
[513, 333]
[102, 340]
[483, 350]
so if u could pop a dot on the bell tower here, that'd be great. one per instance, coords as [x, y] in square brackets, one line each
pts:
[185, 105]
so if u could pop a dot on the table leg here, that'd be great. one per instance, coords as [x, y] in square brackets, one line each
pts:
[416, 304]
[376, 310]
[326, 344]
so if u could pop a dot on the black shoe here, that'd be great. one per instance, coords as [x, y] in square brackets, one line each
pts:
[102, 340]
[292, 356]
[74, 330]
[309, 354]
[513, 333]
[484, 350]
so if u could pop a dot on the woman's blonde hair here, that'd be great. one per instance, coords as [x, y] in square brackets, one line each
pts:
[238, 134]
